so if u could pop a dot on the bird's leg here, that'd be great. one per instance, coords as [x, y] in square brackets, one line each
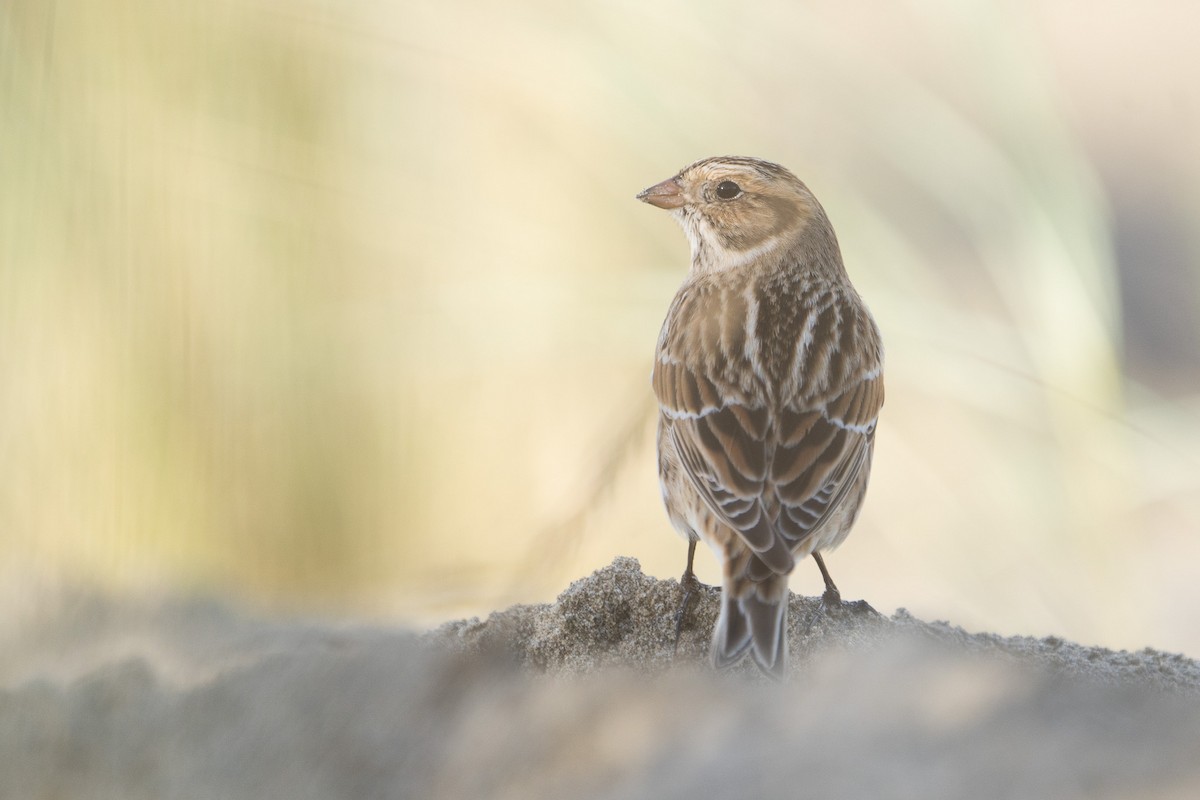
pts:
[832, 598]
[689, 585]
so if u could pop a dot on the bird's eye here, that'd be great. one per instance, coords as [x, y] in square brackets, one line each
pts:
[727, 190]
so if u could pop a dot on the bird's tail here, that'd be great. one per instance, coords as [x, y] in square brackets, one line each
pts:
[753, 617]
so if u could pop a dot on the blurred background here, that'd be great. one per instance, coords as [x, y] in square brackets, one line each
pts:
[346, 308]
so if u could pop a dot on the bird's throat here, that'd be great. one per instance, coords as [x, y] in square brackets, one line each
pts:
[710, 255]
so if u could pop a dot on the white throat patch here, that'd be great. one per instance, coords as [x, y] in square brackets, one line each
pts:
[708, 254]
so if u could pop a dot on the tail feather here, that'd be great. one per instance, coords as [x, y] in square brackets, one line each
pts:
[753, 617]
[732, 635]
[767, 619]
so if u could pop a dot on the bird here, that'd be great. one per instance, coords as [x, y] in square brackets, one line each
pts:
[768, 374]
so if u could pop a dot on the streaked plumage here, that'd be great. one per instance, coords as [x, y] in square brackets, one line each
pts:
[769, 381]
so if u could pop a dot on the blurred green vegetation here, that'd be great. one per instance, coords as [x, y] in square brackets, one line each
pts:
[349, 305]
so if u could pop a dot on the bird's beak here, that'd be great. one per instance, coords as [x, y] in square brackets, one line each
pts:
[668, 194]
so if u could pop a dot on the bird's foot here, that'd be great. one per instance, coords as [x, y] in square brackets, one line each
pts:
[831, 601]
[689, 586]
[859, 607]
[832, 605]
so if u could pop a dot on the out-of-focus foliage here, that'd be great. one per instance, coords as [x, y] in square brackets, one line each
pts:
[350, 305]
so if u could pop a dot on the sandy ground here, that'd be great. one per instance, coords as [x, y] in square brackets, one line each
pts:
[587, 697]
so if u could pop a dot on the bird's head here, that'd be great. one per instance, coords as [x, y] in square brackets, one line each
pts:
[737, 210]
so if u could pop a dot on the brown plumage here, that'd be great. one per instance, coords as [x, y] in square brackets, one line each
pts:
[769, 381]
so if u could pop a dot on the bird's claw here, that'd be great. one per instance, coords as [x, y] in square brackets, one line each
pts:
[859, 607]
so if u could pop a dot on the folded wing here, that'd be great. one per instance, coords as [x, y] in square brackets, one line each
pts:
[773, 469]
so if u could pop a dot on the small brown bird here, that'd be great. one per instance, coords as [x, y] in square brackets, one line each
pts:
[769, 381]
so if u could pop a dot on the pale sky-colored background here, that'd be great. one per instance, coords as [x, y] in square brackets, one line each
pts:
[346, 308]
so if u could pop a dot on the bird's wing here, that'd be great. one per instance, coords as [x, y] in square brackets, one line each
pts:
[819, 454]
[717, 411]
[772, 477]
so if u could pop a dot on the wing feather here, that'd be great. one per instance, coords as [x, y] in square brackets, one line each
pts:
[772, 468]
